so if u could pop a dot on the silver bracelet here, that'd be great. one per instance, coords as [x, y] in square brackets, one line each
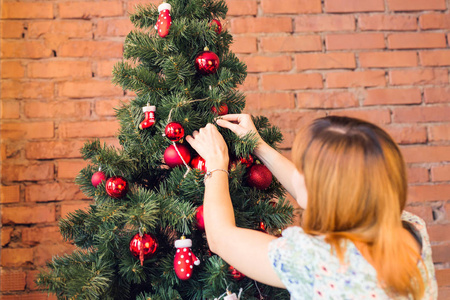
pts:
[209, 173]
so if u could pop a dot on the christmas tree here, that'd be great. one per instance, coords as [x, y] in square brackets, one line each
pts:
[148, 193]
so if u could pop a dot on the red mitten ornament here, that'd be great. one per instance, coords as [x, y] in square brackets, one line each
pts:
[164, 20]
[184, 259]
[149, 120]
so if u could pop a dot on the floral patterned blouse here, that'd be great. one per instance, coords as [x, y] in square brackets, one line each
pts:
[309, 270]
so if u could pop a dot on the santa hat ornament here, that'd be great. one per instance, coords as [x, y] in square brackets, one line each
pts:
[164, 20]
[184, 259]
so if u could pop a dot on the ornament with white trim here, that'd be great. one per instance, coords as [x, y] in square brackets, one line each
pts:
[164, 20]
[149, 119]
[184, 260]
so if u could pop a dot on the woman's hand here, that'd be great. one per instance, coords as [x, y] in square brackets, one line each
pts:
[240, 124]
[209, 144]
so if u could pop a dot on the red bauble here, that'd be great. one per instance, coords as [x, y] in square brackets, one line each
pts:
[248, 161]
[199, 218]
[143, 247]
[173, 159]
[174, 131]
[116, 187]
[198, 163]
[236, 274]
[223, 110]
[262, 227]
[216, 25]
[149, 119]
[259, 177]
[207, 62]
[97, 178]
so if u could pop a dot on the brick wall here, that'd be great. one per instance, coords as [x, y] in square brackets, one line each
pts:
[386, 61]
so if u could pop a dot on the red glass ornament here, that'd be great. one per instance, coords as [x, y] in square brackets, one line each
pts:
[207, 62]
[216, 25]
[143, 247]
[173, 159]
[223, 110]
[198, 163]
[248, 161]
[199, 218]
[174, 131]
[259, 177]
[97, 178]
[236, 274]
[149, 119]
[262, 227]
[116, 187]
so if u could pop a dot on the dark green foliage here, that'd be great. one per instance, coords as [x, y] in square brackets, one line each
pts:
[163, 201]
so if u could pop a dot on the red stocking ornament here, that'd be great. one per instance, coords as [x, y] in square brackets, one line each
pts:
[164, 20]
[184, 260]
[149, 120]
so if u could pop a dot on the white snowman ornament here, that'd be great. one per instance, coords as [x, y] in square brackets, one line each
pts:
[184, 260]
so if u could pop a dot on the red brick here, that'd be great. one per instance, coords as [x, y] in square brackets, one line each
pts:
[415, 5]
[440, 173]
[417, 174]
[425, 212]
[28, 214]
[355, 79]
[388, 59]
[408, 134]
[95, 49]
[326, 100]
[12, 29]
[242, 7]
[71, 208]
[58, 110]
[88, 129]
[10, 194]
[421, 114]
[31, 277]
[377, 116]
[54, 149]
[24, 49]
[293, 119]
[298, 43]
[30, 172]
[106, 107]
[393, 96]
[12, 281]
[437, 95]
[258, 64]
[440, 132]
[337, 60]
[436, 192]
[32, 296]
[72, 29]
[10, 110]
[340, 6]
[56, 191]
[418, 77]
[272, 82]
[262, 101]
[439, 233]
[250, 84]
[435, 21]
[88, 89]
[45, 252]
[355, 41]
[105, 67]
[261, 25]
[27, 10]
[69, 169]
[416, 40]
[6, 235]
[88, 10]
[435, 58]
[27, 90]
[318, 23]
[131, 4]
[425, 154]
[288, 140]
[60, 68]
[107, 28]
[444, 292]
[16, 257]
[440, 254]
[20, 131]
[443, 276]
[387, 22]
[291, 6]
[244, 44]
[12, 69]
[31, 236]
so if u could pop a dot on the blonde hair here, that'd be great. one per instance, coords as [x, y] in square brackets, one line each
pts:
[356, 181]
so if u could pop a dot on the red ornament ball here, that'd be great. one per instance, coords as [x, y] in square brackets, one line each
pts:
[259, 177]
[248, 161]
[116, 187]
[223, 110]
[198, 163]
[199, 218]
[207, 62]
[143, 247]
[174, 131]
[97, 178]
[236, 274]
[173, 159]
[216, 25]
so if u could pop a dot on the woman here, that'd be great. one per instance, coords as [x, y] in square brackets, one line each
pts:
[350, 177]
